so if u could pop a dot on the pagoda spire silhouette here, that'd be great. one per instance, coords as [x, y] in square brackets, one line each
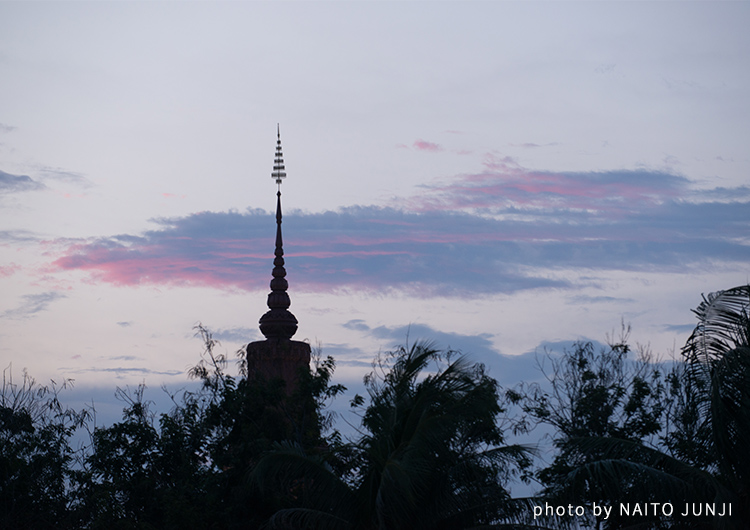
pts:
[278, 356]
[278, 322]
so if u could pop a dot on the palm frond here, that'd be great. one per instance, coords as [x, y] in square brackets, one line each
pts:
[629, 469]
[717, 379]
[302, 479]
[306, 519]
[722, 325]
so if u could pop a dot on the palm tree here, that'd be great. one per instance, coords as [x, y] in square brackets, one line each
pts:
[430, 454]
[717, 379]
[705, 455]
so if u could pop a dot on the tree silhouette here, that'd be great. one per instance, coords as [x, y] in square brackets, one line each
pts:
[594, 393]
[188, 468]
[35, 454]
[244, 452]
[429, 454]
[704, 459]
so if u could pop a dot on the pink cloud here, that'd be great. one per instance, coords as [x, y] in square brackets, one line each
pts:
[423, 145]
[147, 266]
[471, 234]
[9, 270]
[506, 185]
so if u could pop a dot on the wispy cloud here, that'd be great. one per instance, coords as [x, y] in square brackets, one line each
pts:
[62, 175]
[9, 270]
[123, 371]
[17, 183]
[605, 68]
[680, 328]
[32, 304]
[16, 237]
[503, 230]
[532, 145]
[423, 145]
[738, 194]
[123, 358]
[238, 335]
[506, 187]
[582, 299]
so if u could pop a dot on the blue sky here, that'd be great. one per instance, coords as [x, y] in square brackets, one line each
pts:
[496, 176]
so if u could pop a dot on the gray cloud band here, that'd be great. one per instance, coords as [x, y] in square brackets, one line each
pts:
[450, 244]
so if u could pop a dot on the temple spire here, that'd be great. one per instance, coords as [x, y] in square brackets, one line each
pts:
[278, 322]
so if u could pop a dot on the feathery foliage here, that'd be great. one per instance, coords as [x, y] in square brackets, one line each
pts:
[429, 454]
[704, 456]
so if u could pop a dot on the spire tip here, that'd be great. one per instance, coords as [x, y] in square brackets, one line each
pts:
[278, 161]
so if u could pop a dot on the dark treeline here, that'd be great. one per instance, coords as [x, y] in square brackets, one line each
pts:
[431, 450]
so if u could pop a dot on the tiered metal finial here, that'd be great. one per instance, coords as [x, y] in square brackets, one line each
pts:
[278, 161]
[278, 322]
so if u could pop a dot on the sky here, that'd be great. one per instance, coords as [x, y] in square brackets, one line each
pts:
[498, 177]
